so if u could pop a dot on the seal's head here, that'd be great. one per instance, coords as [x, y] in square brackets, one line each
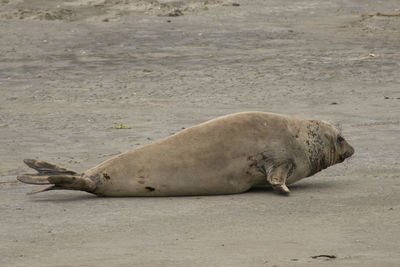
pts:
[343, 149]
[339, 149]
[325, 146]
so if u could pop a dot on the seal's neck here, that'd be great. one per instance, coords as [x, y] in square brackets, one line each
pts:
[319, 161]
[318, 152]
[331, 156]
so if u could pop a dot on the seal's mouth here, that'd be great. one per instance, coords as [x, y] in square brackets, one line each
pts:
[349, 152]
[346, 155]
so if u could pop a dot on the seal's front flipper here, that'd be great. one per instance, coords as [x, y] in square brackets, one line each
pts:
[55, 177]
[282, 189]
[278, 175]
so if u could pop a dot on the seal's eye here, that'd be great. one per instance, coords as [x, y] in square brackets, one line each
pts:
[340, 140]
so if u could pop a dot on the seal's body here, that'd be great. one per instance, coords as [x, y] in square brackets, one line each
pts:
[226, 155]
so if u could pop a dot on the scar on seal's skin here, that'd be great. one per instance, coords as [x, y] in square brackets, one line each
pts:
[151, 189]
[106, 176]
[259, 161]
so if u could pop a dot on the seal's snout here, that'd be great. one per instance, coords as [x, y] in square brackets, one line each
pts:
[349, 152]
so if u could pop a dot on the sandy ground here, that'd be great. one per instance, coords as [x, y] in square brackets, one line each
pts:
[71, 70]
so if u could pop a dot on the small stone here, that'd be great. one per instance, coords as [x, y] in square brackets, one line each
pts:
[175, 13]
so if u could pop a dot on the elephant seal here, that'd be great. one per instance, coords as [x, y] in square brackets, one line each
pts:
[225, 155]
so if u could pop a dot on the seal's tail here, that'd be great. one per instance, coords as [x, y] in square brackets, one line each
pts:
[55, 177]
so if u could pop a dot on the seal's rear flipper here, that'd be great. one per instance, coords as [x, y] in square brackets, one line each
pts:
[72, 183]
[45, 168]
[56, 177]
[47, 188]
[33, 179]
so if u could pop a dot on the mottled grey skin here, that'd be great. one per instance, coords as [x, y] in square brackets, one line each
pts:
[226, 155]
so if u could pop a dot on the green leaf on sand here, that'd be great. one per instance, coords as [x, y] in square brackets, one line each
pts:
[122, 126]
